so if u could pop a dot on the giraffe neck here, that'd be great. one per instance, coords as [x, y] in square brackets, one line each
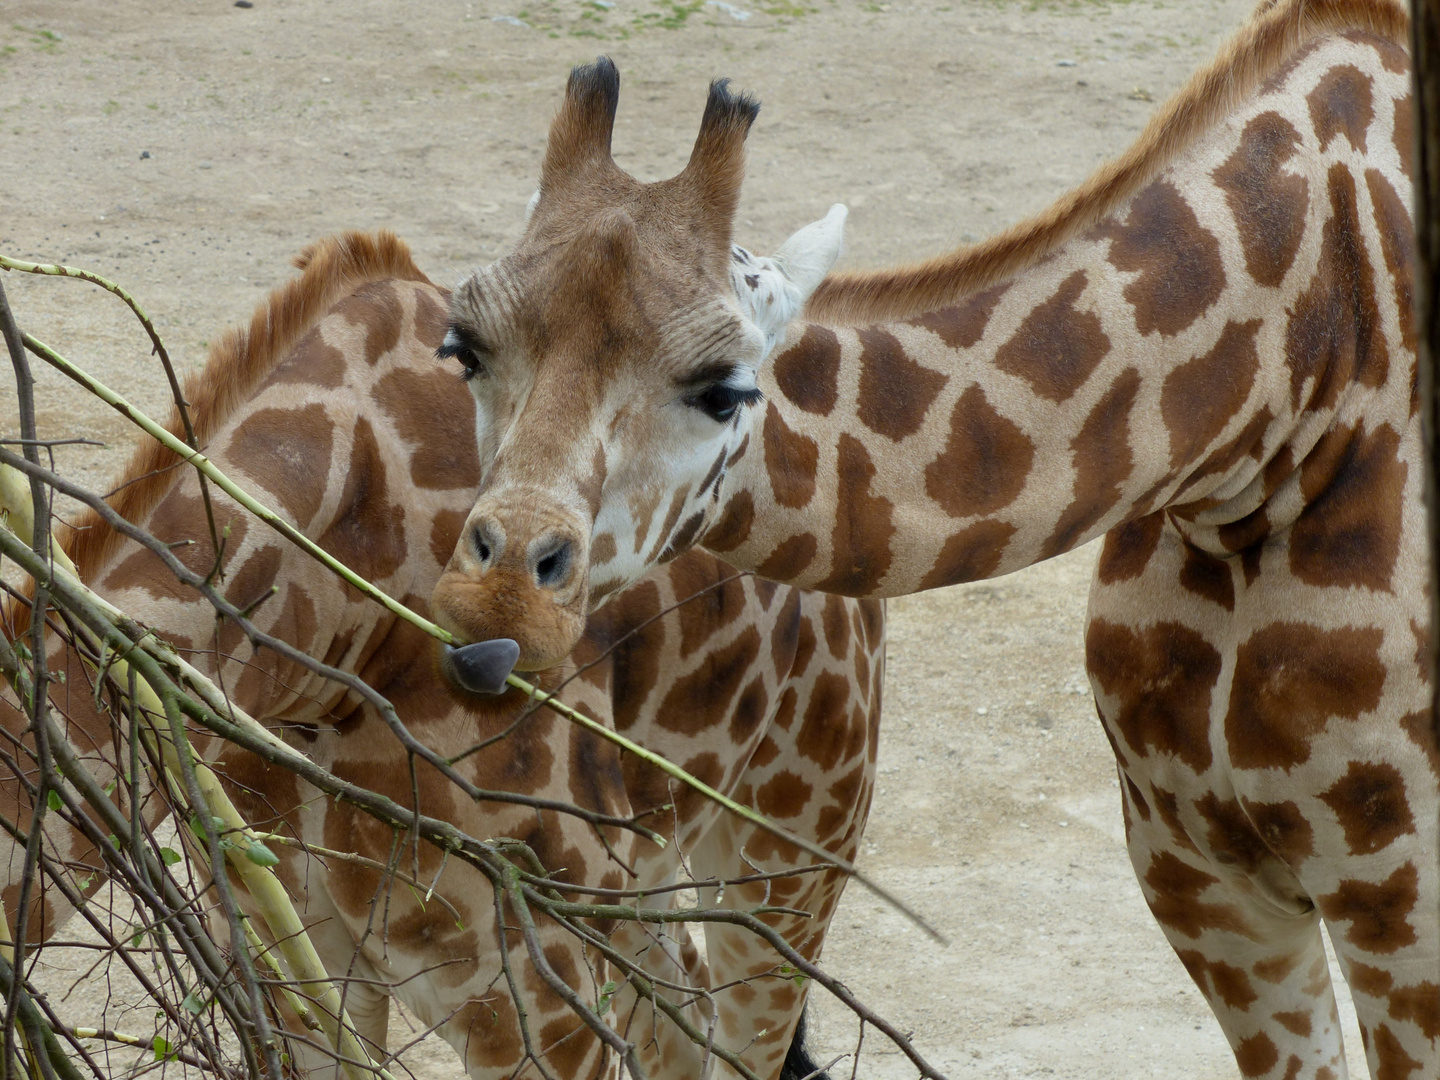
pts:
[1213, 348]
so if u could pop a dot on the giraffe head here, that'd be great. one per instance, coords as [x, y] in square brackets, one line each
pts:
[613, 356]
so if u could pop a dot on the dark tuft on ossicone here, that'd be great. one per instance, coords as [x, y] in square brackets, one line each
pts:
[596, 87]
[725, 111]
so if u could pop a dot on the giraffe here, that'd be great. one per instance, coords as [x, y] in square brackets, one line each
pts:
[1204, 354]
[332, 408]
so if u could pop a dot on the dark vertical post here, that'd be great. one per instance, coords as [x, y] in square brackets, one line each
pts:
[1425, 50]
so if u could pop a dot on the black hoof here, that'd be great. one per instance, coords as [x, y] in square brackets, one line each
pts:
[483, 666]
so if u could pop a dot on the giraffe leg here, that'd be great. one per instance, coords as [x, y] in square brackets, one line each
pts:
[1256, 955]
[666, 953]
[1385, 928]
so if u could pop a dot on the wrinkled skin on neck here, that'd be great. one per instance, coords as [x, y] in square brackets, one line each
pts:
[613, 356]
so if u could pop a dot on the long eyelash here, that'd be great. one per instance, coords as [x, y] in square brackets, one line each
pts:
[750, 396]
[453, 345]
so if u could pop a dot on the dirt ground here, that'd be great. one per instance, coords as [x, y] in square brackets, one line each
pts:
[189, 149]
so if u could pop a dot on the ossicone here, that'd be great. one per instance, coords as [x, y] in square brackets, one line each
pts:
[717, 163]
[581, 131]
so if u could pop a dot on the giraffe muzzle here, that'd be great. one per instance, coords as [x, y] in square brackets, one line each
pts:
[481, 667]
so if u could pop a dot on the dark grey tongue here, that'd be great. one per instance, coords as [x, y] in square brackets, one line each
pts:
[483, 666]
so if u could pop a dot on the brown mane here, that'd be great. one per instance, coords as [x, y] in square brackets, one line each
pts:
[329, 269]
[1274, 32]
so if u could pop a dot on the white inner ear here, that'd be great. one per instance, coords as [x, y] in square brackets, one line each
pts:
[772, 291]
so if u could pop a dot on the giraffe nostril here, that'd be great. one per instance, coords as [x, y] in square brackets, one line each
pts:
[552, 569]
[482, 548]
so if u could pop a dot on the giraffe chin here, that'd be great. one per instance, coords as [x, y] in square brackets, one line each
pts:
[481, 667]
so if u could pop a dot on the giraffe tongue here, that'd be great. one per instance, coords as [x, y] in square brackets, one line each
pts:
[482, 667]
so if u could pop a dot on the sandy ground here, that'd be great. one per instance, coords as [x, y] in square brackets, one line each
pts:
[190, 149]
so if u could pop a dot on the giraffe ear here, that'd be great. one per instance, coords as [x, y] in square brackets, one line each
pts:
[530, 208]
[808, 255]
[773, 291]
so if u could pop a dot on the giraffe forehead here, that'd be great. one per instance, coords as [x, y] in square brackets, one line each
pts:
[655, 322]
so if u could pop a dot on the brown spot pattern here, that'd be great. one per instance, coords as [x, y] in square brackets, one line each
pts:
[808, 372]
[1284, 829]
[1101, 453]
[287, 452]
[1370, 803]
[1397, 244]
[790, 459]
[445, 534]
[733, 527]
[1256, 1055]
[1349, 531]
[1395, 1063]
[376, 309]
[1162, 678]
[860, 543]
[1268, 204]
[1204, 575]
[790, 558]
[969, 555]
[1404, 134]
[820, 738]
[1202, 395]
[985, 461]
[437, 418]
[702, 698]
[1178, 888]
[1228, 983]
[1342, 104]
[1128, 547]
[1178, 260]
[431, 318]
[1377, 913]
[710, 596]
[895, 391]
[1290, 679]
[963, 325]
[1334, 334]
[368, 533]
[313, 362]
[1230, 836]
[1056, 347]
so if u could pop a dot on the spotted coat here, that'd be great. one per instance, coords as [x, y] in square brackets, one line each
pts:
[334, 410]
[1206, 355]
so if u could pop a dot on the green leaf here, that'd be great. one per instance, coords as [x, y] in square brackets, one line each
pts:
[163, 1049]
[169, 856]
[110, 788]
[193, 1003]
[53, 800]
[606, 993]
[261, 855]
[135, 940]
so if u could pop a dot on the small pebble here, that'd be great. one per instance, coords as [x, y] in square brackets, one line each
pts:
[243, 4]
[1064, 63]
[326, 79]
[204, 165]
[509, 20]
[982, 711]
[144, 154]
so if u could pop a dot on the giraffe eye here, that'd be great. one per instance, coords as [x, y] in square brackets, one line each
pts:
[460, 346]
[719, 401]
